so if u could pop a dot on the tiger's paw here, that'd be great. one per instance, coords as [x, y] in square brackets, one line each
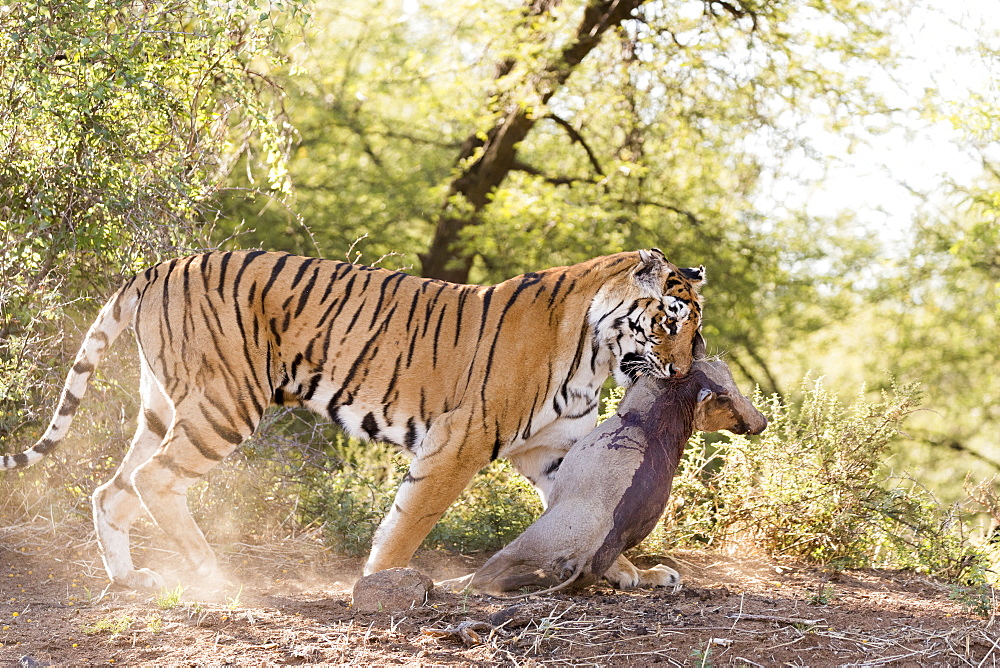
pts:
[622, 574]
[142, 579]
[659, 576]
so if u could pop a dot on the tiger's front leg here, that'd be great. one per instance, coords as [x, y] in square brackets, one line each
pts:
[539, 458]
[439, 472]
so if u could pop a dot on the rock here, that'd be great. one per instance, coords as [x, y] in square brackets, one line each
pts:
[391, 590]
[30, 662]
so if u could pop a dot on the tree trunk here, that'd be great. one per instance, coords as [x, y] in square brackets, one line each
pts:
[470, 190]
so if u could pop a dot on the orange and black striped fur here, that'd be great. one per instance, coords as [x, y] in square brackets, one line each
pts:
[456, 375]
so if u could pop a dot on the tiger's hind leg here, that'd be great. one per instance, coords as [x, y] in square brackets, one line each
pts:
[116, 504]
[201, 436]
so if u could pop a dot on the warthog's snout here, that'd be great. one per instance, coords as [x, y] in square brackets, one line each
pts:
[752, 428]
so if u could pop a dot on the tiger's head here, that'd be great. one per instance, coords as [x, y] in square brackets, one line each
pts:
[650, 321]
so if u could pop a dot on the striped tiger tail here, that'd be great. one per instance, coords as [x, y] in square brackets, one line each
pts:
[114, 317]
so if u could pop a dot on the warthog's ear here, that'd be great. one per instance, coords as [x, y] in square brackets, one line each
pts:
[698, 352]
[706, 395]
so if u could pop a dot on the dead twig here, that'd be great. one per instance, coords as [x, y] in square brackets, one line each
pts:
[463, 631]
[792, 621]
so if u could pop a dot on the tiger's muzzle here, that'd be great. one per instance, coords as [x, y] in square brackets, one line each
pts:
[635, 365]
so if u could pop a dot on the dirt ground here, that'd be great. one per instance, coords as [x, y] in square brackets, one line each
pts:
[292, 606]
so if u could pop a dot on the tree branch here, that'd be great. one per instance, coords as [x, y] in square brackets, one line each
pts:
[578, 138]
[488, 157]
[989, 166]
[770, 386]
[958, 446]
[771, 380]
[735, 360]
[733, 10]
[692, 218]
[519, 166]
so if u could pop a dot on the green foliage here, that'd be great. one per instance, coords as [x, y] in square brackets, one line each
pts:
[702, 657]
[491, 512]
[59, 488]
[380, 94]
[113, 625]
[933, 313]
[350, 496]
[823, 595]
[118, 122]
[978, 600]
[611, 401]
[940, 322]
[815, 486]
[169, 599]
[154, 623]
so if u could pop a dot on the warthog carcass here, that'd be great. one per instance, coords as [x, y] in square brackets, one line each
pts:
[613, 485]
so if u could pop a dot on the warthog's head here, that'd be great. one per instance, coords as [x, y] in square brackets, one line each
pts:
[721, 405]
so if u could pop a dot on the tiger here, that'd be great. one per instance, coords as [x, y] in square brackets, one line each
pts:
[454, 375]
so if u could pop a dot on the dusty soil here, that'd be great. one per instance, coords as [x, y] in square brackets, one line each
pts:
[295, 608]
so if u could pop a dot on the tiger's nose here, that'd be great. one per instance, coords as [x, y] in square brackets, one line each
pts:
[671, 370]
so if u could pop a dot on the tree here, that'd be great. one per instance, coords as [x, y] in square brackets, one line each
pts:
[118, 121]
[486, 140]
[929, 311]
[944, 315]
[488, 156]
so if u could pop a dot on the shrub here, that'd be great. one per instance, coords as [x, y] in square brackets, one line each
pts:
[491, 512]
[349, 502]
[349, 497]
[816, 486]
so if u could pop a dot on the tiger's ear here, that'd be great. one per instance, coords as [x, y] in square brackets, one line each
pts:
[694, 274]
[653, 269]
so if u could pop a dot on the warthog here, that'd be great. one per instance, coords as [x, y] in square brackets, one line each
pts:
[613, 485]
